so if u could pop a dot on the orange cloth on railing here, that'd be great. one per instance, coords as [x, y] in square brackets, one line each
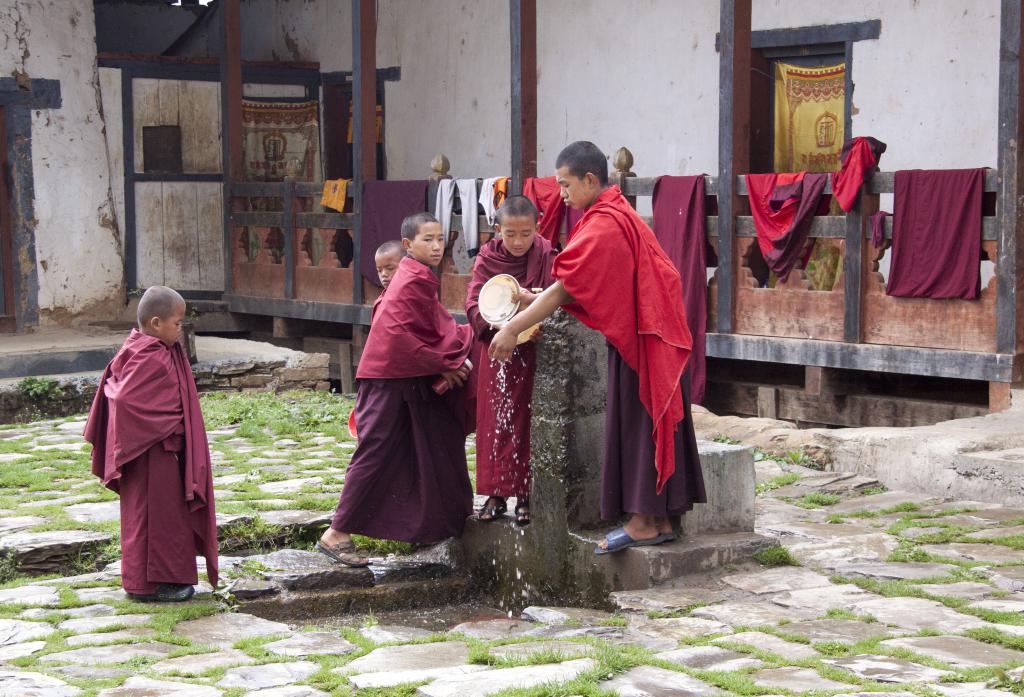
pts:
[335, 193]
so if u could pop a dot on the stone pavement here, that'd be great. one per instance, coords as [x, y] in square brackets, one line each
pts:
[869, 591]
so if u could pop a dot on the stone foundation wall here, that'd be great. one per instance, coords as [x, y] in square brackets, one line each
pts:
[41, 398]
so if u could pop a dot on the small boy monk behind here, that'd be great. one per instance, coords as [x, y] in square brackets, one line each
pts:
[408, 478]
[504, 392]
[149, 445]
[387, 258]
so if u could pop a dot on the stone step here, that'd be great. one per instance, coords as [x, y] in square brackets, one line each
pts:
[51, 550]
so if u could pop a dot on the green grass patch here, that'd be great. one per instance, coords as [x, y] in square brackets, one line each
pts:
[778, 482]
[817, 500]
[776, 556]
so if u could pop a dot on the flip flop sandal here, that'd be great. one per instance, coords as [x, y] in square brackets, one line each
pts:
[619, 540]
[492, 512]
[343, 554]
[668, 536]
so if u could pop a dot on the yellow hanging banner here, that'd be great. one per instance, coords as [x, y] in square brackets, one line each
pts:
[809, 108]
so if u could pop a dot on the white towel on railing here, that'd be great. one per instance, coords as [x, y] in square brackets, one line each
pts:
[487, 198]
[443, 204]
[470, 219]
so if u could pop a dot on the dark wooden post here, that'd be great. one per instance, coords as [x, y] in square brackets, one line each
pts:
[364, 121]
[232, 147]
[523, 23]
[1008, 208]
[288, 230]
[733, 144]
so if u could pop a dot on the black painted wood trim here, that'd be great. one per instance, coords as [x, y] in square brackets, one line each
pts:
[42, 94]
[182, 177]
[131, 273]
[1008, 207]
[817, 34]
[343, 313]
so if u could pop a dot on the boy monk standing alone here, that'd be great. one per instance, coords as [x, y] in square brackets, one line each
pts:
[408, 479]
[614, 277]
[504, 393]
[149, 445]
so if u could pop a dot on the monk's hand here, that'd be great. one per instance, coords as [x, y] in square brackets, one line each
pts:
[454, 378]
[526, 297]
[502, 345]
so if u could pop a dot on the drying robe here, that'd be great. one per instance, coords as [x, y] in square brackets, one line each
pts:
[408, 479]
[547, 197]
[624, 286]
[783, 206]
[859, 159]
[504, 390]
[149, 445]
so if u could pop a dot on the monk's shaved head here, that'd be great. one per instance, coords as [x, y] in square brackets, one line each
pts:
[582, 157]
[391, 247]
[517, 207]
[412, 224]
[158, 301]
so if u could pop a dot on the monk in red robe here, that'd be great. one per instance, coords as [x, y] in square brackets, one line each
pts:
[504, 390]
[149, 445]
[615, 278]
[387, 258]
[408, 479]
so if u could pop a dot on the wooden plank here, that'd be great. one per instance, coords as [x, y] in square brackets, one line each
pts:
[767, 402]
[1009, 278]
[307, 309]
[523, 34]
[244, 188]
[733, 144]
[168, 94]
[256, 218]
[149, 234]
[817, 34]
[180, 240]
[364, 118]
[290, 241]
[967, 365]
[199, 109]
[999, 397]
[337, 221]
[145, 111]
[210, 218]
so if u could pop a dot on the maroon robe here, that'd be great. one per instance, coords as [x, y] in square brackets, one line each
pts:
[679, 225]
[783, 207]
[408, 478]
[504, 390]
[149, 445]
[859, 159]
[624, 286]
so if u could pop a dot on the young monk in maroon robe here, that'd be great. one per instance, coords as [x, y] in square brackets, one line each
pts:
[616, 279]
[408, 479]
[504, 390]
[149, 445]
[387, 258]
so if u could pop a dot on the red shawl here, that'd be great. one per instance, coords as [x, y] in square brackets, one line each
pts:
[139, 403]
[626, 288]
[412, 335]
[859, 161]
[532, 270]
[546, 194]
[783, 206]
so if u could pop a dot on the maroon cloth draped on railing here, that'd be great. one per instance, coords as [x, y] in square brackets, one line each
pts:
[679, 225]
[783, 206]
[860, 158]
[936, 234]
[385, 205]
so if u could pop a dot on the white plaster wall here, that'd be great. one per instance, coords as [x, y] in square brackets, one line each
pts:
[298, 30]
[641, 74]
[928, 86]
[78, 250]
[454, 94]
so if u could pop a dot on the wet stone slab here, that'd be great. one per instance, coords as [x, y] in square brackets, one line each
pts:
[93, 624]
[664, 599]
[564, 615]
[443, 654]
[268, 675]
[821, 600]
[312, 644]
[917, 613]
[51, 550]
[564, 650]
[959, 651]
[12, 651]
[30, 595]
[115, 653]
[101, 512]
[92, 595]
[387, 634]
[30, 684]
[18, 631]
[225, 629]
[888, 669]
[996, 533]
[296, 569]
[795, 679]
[680, 628]
[711, 658]
[288, 691]
[777, 580]
[788, 650]
[488, 682]
[648, 681]
[488, 630]
[876, 503]
[1007, 578]
[88, 672]
[869, 547]
[197, 664]
[135, 633]
[968, 689]
[15, 523]
[1000, 604]
[894, 571]
[977, 552]
[739, 613]
[964, 590]
[393, 678]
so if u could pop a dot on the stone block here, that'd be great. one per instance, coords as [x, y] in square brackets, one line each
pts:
[730, 486]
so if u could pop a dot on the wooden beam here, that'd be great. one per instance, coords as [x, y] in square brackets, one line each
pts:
[1009, 277]
[523, 26]
[364, 121]
[733, 143]
[232, 147]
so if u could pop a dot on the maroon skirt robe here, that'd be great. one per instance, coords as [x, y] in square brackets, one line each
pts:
[505, 390]
[408, 478]
[149, 445]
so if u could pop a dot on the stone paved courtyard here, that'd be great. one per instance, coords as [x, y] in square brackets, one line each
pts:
[870, 591]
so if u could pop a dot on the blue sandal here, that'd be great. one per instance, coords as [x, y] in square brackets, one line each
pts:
[619, 540]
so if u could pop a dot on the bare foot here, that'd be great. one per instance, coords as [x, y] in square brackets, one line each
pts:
[639, 527]
[664, 525]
